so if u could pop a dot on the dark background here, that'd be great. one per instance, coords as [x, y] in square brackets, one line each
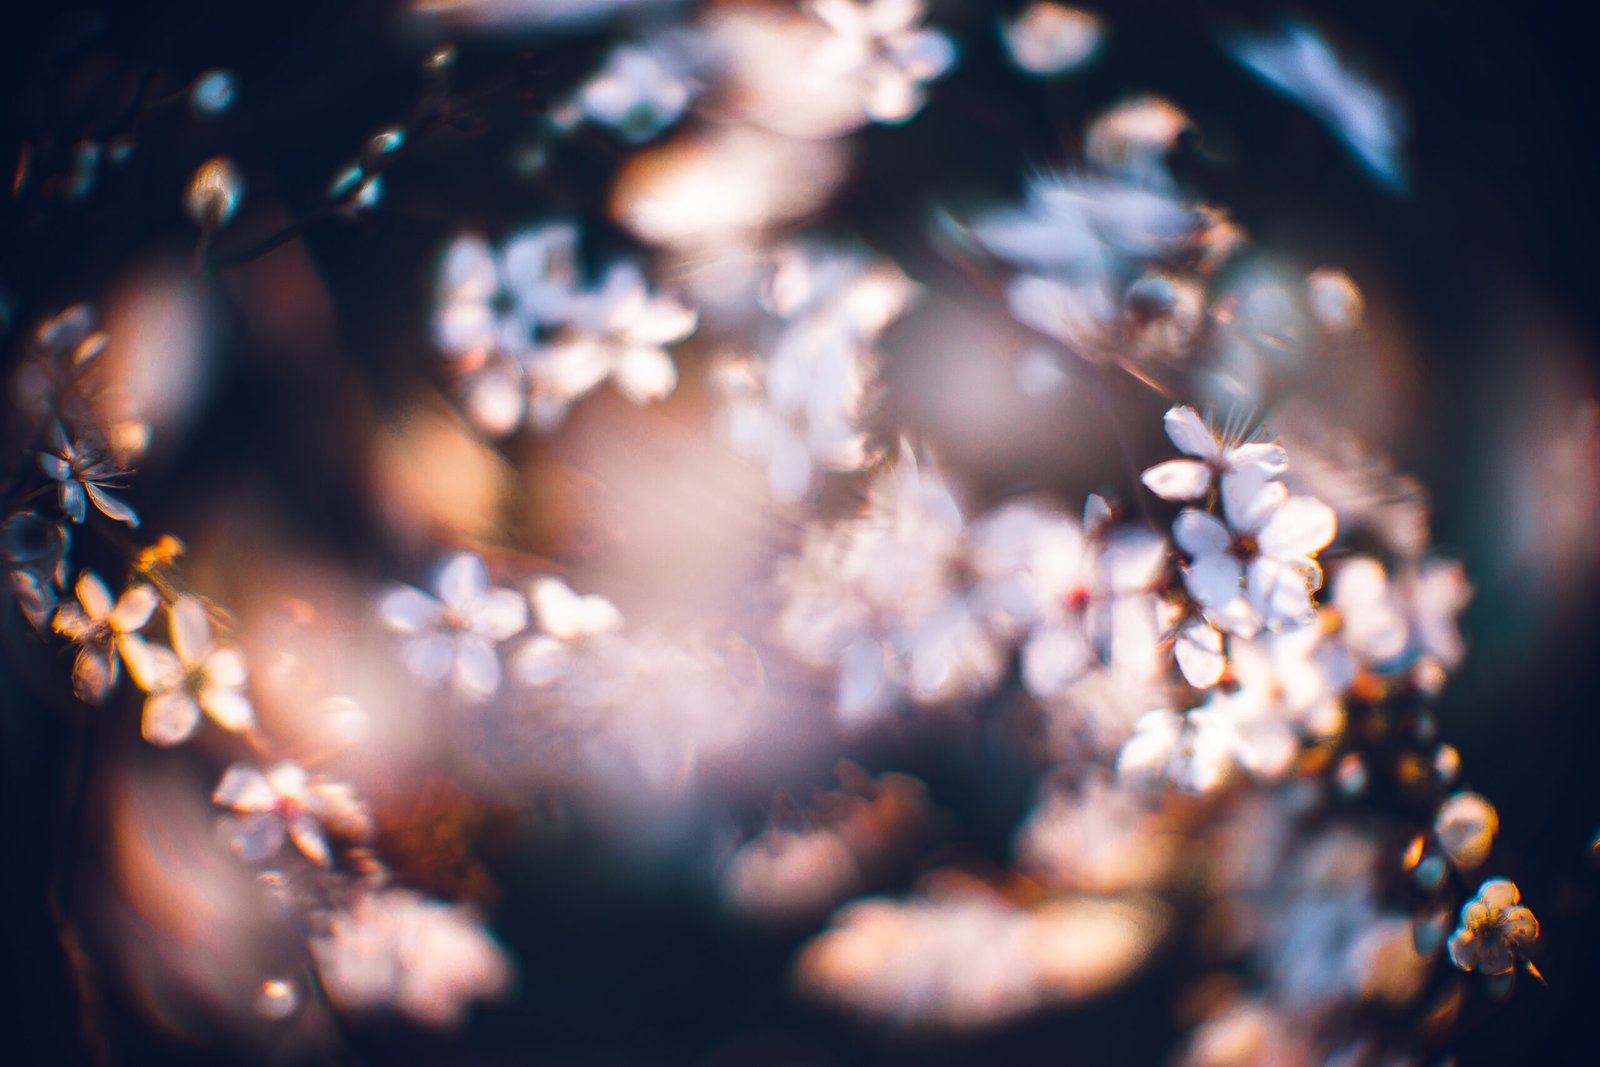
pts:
[1497, 232]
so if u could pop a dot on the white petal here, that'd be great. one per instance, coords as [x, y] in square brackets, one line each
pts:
[499, 614]
[1300, 527]
[152, 666]
[244, 788]
[110, 506]
[191, 629]
[1199, 653]
[1249, 497]
[134, 609]
[1053, 658]
[477, 669]
[1281, 591]
[1213, 580]
[863, 682]
[408, 611]
[1145, 755]
[430, 656]
[1201, 534]
[94, 596]
[462, 581]
[169, 717]
[228, 708]
[1269, 457]
[226, 667]
[1190, 433]
[645, 375]
[256, 837]
[1178, 479]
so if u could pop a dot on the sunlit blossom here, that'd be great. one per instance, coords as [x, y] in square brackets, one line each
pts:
[196, 674]
[455, 635]
[97, 624]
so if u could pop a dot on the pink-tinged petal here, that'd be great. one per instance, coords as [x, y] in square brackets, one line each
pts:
[226, 667]
[72, 500]
[191, 629]
[1213, 580]
[890, 95]
[571, 367]
[1096, 513]
[1301, 527]
[228, 708]
[73, 623]
[477, 668]
[1178, 479]
[409, 611]
[244, 788]
[290, 781]
[1053, 658]
[93, 595]
[134, 609]
[924, 55]
[1191, 434]
[111, 507]
[1146, 755]
[153, 667]
[498, 614]
[540, 661]
[170, 717]
[645, 375]
[1249, 497]
[94, 673]
[1199, 653]
[306, 833]
[462, 580]
[1269, 458]
[1201, 534]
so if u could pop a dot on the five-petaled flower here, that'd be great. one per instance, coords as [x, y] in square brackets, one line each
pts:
[1215, 456]
[99, 626]
[1496, 930]
[456, 634]
[196, 674]
[83, 468]
[284, 801]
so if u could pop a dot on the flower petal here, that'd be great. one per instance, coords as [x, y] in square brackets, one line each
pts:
[1199, 653]
[244, 788]
[408, 611]
[462, 580]
[498, 614]
[226, 667]
[228, 708]
[477, 667]
[191, 629]
[93, 595]
[1191, 434]
[134, 609]
[111, 506]
[170, 717]
[153, 667]
[1300, 527]
[1178, 479]
[1201, 534]
[645, 375]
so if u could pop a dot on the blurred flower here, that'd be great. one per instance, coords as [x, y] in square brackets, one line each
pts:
[195, 674]
[567, 620]
[214, 192]
[284, 801]
[640, 91]
[34, 550]
[1049, 38]
[1496, 930]
[878, 45]
[84, 467]
[97, 626]
[427, 959]
[456, 634]
[1465, 826]
[620, 331]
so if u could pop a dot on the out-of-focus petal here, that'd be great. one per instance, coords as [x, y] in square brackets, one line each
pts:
[1201, 534]
[134, 609]
[244, 788]
[151, 666]
[170, 717]
[499, 614]
[644, 374]
[462, 580]
[1189, 432]
[1199, 653]
[228, 708]
[1178, 479]
[477, 669]
[191, 629]
[1300, 527]
[408, 611]
[306, 833]
[93, 595]
[226, 667]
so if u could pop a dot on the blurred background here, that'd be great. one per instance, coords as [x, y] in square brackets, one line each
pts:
[1482, 271]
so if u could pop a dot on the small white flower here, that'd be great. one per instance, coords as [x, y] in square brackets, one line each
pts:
[456, 634]
[98, 626]
[567, 620]
[83, 469]
[1216, 456]
[619, 331]
[1049, 38]
[878, 45]
[196, 674]
[285, 802]
[638, 93]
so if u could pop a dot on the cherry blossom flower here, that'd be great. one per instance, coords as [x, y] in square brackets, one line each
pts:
[284, 801]
[1266, 551]
[33, 550]
[1465, 826]
[1197, 750]
[490, 299]
[568, 621]
[197, 674]
[639, 92]
[425, 958]
[97, 625]
[84, 469]
[878, 45]
[1217, 457]
[456, 633]
[1496, 930]
[619, 331]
